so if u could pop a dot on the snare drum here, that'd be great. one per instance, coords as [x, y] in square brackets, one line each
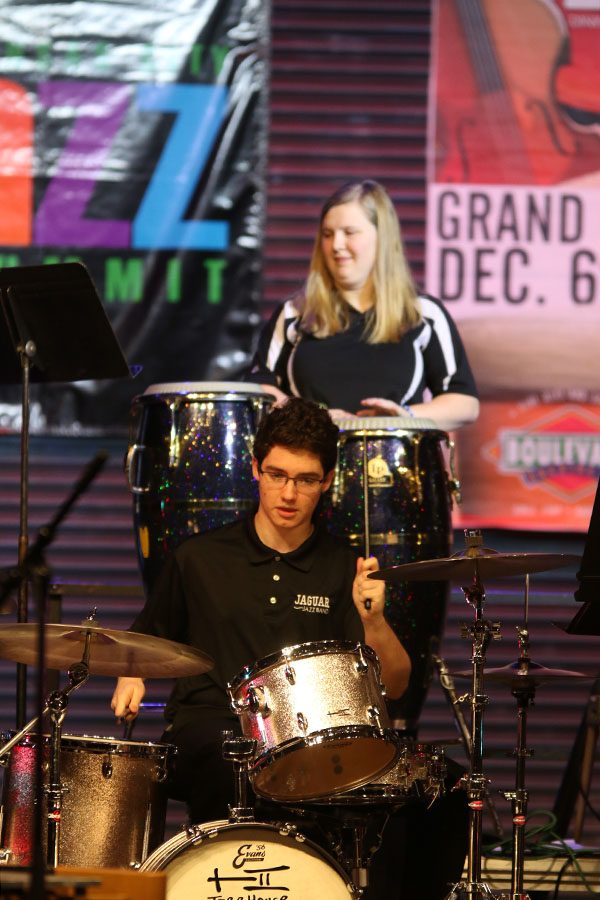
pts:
[418, 775]
[318, 715]
[114, 807]
[189, 462]
[391, 483]
[249, 860]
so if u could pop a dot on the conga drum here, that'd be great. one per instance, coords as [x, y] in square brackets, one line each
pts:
[392, 493]
[189, 462]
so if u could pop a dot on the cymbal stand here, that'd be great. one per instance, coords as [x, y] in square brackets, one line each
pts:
[523, 689]
[481, 632]
[56, 708]
[447, 684]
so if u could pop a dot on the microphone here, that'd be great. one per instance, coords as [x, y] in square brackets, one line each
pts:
[13, 576]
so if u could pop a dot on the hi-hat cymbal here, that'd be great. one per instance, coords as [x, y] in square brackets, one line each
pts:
[527, 673]
[112, 652]
[482, 563]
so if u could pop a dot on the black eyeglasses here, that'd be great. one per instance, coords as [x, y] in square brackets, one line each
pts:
[304, 484]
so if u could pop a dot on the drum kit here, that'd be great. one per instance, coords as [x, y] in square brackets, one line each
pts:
[318, 738]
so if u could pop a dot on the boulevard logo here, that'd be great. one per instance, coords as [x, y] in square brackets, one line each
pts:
[312, 603]
[559, 452]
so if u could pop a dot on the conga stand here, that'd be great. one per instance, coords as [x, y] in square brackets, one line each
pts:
[481, 632]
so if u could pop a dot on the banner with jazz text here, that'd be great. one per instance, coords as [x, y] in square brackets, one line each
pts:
[133, 139]
[513, 248]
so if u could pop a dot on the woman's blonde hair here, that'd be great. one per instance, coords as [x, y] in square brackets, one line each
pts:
[395, 309]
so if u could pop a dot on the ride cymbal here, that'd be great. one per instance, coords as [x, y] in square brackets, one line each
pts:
[112, 652]
[468, 565]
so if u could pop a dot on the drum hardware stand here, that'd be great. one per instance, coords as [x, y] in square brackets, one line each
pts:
[481, 632]
[348, 841]
[447, 685]
[239, 751]
[359, 864]
[53, 329]
[34, 567]
[523, 689]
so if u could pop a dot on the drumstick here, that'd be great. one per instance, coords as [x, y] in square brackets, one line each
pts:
[366, 504]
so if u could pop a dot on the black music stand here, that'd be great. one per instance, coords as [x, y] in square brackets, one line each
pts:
[587, 619]
[576, 781]
[53, 329]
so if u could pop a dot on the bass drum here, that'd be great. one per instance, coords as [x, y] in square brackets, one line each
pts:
[391, 477]
[250, 860]
[189, 462]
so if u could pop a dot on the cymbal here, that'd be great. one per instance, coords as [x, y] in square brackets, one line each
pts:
[484, 563]
[528, 673]
[112, 652]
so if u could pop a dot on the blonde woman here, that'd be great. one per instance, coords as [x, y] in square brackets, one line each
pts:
[359, 338]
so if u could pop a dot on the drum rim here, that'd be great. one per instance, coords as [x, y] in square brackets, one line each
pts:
[308, 648]
[101, 740]
[196, 834]
[233, 389]
[324, 736]
[388, 425]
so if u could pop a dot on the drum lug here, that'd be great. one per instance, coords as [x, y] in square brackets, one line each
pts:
[129, 463]
[257, 702]
[107, 767]
[374, 714]
[5, 855]
[290, 673]
[361, 665]
[302, 722]
[454, 485]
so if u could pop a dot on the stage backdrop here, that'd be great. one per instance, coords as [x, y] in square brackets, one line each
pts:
[513, 248]
[133, 139]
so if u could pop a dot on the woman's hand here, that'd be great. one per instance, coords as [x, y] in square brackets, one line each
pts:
[280, 397]
[379, 406]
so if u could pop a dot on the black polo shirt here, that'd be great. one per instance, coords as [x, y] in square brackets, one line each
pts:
[236, 599]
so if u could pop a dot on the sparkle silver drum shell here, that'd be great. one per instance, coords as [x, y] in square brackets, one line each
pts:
[250, 860]
[318, 715]
[189, 462]
[418, 775]
[114, 807]
[391, 483]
